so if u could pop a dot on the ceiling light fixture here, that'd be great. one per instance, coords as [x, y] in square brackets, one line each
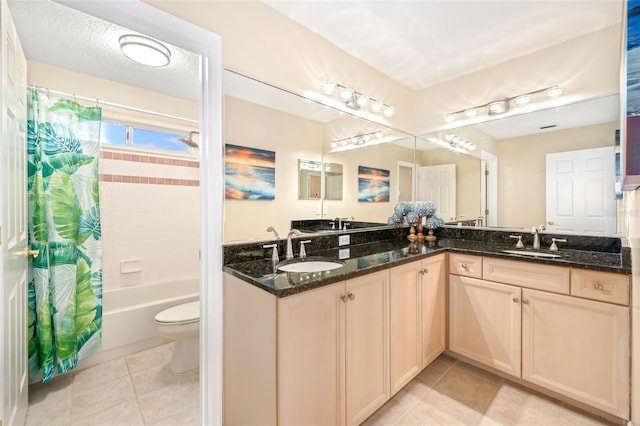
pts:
[144, 50]
[356, 100]
[504, 105]
[456, 142]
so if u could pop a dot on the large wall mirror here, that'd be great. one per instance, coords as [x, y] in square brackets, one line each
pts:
[323, 159]
[554, 167]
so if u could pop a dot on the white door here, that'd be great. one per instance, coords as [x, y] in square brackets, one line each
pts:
[580, 191]
[13, 214]
[489, 188]
[438, 185]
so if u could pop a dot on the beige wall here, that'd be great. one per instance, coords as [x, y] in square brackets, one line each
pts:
[585, 67]
[262, 43]
[521, 170]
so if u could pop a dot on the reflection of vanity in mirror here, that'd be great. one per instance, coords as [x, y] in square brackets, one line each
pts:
[318, 180]
[553, 167]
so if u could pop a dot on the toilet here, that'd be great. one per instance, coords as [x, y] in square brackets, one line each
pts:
[181, 323]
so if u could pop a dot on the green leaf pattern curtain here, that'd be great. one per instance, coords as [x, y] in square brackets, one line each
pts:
[65, 279]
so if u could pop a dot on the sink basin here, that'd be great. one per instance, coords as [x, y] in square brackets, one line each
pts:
[309, 264]
[532, 253]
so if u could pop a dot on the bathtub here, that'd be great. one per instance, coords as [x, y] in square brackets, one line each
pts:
[128, 317]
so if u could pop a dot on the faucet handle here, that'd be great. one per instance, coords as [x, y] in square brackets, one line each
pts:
[553, 246]
[519, 244]
[303, 252]
[274, 255]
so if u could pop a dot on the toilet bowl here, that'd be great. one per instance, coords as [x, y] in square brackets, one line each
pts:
[181, 323]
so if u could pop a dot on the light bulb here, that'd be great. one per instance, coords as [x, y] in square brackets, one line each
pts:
[378, 134]
[448, 137]
[354, 140]
[375, 106]
[366, 138]
[497, 107]
[334, 144]
[328, 87]
[388, 111]
[450, 118]
[470, 113]
[522, 100]
[361, 100]
[554, 92]
[346, 94]
[343, 142]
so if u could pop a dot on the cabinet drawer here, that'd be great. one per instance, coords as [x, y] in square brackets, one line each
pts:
[466, 265]
[532, 275]
[604, 286]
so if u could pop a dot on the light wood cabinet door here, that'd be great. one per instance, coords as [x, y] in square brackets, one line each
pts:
[578, 348]
[484, 322]
[311, 357]
[433, 328]
[405, 319]
[367, 346]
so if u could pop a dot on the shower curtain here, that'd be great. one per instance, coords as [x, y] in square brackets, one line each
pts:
[65, 277]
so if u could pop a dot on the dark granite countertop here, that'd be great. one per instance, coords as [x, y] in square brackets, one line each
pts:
[367, 258]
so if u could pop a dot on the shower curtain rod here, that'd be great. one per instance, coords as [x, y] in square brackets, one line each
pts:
[113, 105]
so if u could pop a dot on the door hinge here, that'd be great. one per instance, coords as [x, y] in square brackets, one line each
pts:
[486, 172]
[486, 212]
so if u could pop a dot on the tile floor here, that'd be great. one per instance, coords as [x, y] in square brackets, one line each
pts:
[450, 392]
[140, 390]
[132, 391]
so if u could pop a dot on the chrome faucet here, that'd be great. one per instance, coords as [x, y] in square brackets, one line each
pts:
[479, 221]
[340, 220]
[536, 238]
[275, 232]
[289, 247]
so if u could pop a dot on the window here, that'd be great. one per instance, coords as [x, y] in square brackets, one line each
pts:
[133, 136]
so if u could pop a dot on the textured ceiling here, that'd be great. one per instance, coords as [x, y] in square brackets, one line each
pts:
[58, 35]
[424, 42]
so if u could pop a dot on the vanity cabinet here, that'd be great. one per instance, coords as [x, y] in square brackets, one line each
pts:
[333, 352]
[532, 326]
[417, 318]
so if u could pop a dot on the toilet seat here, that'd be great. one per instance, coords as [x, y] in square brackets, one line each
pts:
[186, 313]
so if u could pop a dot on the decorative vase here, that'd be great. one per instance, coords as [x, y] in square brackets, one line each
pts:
[412, 232]
[413, 247]
[430, 237]
[420, 234]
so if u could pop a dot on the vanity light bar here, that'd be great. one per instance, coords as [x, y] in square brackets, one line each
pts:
[357, 100]
[504, 105]
[357, 139]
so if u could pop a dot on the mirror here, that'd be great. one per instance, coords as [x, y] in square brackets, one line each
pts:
[309, 179]
[320, 170]
[318, 180]
[517, 151]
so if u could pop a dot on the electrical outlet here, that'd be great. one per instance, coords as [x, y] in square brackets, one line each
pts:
[344, 253]
[344, 240]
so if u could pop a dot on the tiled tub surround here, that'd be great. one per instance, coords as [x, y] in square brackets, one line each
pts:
[375, 250]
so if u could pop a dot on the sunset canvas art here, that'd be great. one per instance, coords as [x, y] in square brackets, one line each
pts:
[250, 173]
[373, 185]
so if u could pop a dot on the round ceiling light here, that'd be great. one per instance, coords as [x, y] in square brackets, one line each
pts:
[144, 50]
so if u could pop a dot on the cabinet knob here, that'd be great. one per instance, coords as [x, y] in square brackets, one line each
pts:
[424, 271]
[464, 266]
[516, 300]
[31, 253]
[344, 298]
[351, 296]
[525, 301]
[597, 286]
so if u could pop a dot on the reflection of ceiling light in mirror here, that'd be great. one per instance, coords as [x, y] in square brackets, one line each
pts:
[334, 144]
[497, 107]
[471, 112]
[361, 100]
[328, 87]
[375, 106]
[346, 94]
[449, 118]
[378, 134]
[522, 100]
[388, 111]
[360, 139]
[144, 50]
[554, 92]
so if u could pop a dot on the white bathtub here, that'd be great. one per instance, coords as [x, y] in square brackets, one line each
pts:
[128, 317]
